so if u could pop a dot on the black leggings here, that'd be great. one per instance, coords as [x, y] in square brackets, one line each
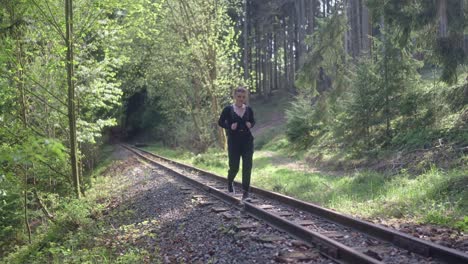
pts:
[240, 147]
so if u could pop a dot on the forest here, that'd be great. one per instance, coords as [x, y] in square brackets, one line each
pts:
[346, 85]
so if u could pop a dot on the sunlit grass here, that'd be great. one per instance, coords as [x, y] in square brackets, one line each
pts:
[175, 154]
[435, 196]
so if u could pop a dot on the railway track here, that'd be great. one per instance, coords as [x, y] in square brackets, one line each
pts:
[342, 238]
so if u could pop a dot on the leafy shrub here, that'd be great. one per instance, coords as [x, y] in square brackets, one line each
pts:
[462, 224]
[300, 126]
[11, 220]
[75, 214]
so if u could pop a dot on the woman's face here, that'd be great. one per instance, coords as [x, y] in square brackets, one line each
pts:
[240, 98]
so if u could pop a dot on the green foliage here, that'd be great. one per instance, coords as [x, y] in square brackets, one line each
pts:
[409, 18]
[450, 56]
[462, 224]
[381, 102]
[184, 64]
[361, 106]
[80, 234]
[33, 111]
[327, 54]
[37, 155]
[383, 89]
[74, 214]
[322, 80]
[10, 215]
[301, 126]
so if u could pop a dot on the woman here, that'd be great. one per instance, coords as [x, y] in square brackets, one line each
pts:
[238, 119]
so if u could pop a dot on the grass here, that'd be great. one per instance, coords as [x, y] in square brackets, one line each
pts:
[80, 234]
[176, 154]
[435, 196]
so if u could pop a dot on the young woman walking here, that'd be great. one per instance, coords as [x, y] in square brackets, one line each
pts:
[238, 119]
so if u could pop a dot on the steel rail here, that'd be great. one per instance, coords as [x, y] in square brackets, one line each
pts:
[332, 249]
[399, 239]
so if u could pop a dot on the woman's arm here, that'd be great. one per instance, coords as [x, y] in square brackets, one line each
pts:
[224, 119]
[251, 117]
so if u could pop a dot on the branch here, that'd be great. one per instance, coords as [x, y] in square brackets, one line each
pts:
[89, 22]
[45, 89]
[55, 21]
[52, 21]
[43, 208]
[43, 101]
[53, 169]
[15, 135]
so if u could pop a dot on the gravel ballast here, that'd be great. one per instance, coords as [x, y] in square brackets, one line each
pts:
[181, 224]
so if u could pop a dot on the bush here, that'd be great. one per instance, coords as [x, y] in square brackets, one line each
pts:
[74, 214]
[462, 224]
[11, 221]
[301, 128]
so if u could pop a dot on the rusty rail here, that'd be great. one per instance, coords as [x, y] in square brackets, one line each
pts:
[399, 239]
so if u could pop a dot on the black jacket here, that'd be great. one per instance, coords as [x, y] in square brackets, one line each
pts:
[229, 116]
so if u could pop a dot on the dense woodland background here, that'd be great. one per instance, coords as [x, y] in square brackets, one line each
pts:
[364, 77]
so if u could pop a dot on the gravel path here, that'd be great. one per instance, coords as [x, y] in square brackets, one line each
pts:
[175, 223]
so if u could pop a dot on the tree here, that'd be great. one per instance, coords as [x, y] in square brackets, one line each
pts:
[34, 124]
[190, 67]
[447, 16]
[71, 96]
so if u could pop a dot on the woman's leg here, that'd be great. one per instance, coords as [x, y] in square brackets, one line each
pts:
[234, 159]
[247, 154]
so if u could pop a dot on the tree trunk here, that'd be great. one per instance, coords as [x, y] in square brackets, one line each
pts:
[26, 219]
[285, 55]
[292, 57]
[265, 66]
[71, 96]
[354, 18]
[251, 59]
[298, 20]
[275, 65]
[212, 76]
[365, 29]
[258, 72]
[23, 111]
[311, 20]
[347, 32]
[245, 35]
[324, 8]
[385, 81]
[442, 18]
[271, 80]
[302, 30]
[261, 77]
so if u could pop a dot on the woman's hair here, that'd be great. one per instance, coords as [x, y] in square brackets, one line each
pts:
[240, 89]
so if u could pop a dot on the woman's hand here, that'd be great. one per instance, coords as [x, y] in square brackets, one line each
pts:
[248, 124]
[234, 126]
